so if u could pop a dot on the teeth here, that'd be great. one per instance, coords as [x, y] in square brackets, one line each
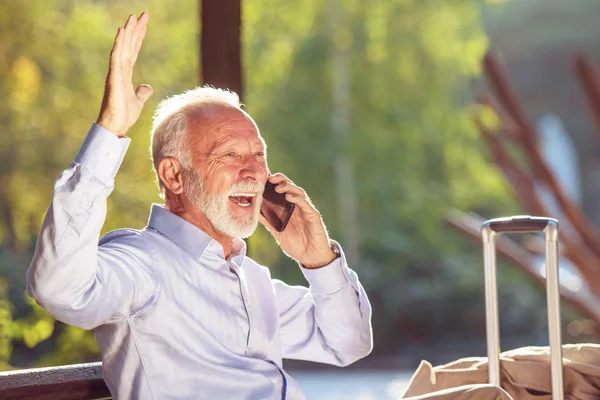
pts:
[239, 194]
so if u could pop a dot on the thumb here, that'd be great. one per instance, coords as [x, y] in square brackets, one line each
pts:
[143, 92]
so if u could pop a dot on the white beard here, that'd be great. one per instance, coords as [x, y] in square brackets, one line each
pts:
[215, 206]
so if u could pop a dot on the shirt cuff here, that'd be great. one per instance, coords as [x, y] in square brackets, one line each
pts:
[330, 278]
[102, 152]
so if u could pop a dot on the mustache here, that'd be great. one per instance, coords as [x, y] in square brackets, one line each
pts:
[193, 179]
[246, 186]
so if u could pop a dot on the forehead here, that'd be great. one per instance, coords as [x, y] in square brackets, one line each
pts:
[219, 125]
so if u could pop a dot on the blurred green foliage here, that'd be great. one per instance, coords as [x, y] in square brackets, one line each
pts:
[411, 143]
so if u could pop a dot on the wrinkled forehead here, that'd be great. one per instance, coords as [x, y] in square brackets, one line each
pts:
[214, 123]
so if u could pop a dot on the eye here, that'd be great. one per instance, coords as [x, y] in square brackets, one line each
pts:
[230, 154]
[259, 154]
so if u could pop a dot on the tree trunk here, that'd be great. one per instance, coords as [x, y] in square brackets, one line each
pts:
[340, 129]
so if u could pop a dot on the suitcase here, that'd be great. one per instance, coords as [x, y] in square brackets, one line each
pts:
[523, 224]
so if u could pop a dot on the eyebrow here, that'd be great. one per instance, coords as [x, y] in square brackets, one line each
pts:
[227, 140]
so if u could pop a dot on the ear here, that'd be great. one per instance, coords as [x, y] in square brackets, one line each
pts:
[169, 172]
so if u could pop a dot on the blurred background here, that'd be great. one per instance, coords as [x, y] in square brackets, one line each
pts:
[367, 105]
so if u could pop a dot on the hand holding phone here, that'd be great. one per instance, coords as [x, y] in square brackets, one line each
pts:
[275, 208]
[306, 240]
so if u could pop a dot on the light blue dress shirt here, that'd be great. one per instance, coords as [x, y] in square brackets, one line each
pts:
[173, 318]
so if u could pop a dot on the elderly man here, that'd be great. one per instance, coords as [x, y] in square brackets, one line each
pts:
[179, 311]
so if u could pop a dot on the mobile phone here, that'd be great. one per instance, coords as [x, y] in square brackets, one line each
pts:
[275, 208]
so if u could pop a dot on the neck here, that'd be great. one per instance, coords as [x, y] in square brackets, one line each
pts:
[184, 209]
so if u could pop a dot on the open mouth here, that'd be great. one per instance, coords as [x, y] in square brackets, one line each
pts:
[243, 199]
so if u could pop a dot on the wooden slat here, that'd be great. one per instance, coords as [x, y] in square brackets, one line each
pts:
[69, 382]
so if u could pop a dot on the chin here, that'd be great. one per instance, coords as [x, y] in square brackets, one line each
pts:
[247, 232]
[241, 229]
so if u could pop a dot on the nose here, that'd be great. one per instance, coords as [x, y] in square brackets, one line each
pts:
[254, 169]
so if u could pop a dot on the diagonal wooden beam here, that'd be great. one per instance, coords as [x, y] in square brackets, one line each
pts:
[508, 100]
[508, 125]
[523, 188]
[520, 181]
[590, 83]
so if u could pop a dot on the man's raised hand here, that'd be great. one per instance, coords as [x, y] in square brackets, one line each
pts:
[122, 104]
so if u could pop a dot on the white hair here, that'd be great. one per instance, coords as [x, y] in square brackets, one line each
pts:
[169, 129]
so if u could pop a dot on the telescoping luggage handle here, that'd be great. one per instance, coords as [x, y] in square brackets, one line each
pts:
[523, 224]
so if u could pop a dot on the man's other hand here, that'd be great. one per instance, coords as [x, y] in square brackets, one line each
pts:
[122, 105]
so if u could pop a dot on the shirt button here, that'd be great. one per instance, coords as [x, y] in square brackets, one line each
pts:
[111, 155]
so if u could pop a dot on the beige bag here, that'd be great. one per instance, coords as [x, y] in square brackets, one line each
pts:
[466, 392]
[524, 374]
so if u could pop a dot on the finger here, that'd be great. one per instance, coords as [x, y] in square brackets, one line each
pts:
[115, 52]
[289, 187]
[301, 202]
[143, 92]
[131, 20]
[136, 48]
[139, 33]
[278, 178]
[129, 27]
[142, 21]
[137, 29]
[138, 45]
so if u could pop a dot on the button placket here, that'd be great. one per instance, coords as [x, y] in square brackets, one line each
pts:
[245, 300]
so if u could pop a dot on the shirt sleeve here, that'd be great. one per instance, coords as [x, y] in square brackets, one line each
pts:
[71, 276]
[330, 322]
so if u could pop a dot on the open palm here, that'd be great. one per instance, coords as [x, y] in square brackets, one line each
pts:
[122, 104]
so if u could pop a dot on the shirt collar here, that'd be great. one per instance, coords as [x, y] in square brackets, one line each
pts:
[189, 237]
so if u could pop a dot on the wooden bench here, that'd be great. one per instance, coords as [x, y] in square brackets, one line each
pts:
[69, 382]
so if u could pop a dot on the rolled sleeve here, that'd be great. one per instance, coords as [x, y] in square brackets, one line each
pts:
[102, 152]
